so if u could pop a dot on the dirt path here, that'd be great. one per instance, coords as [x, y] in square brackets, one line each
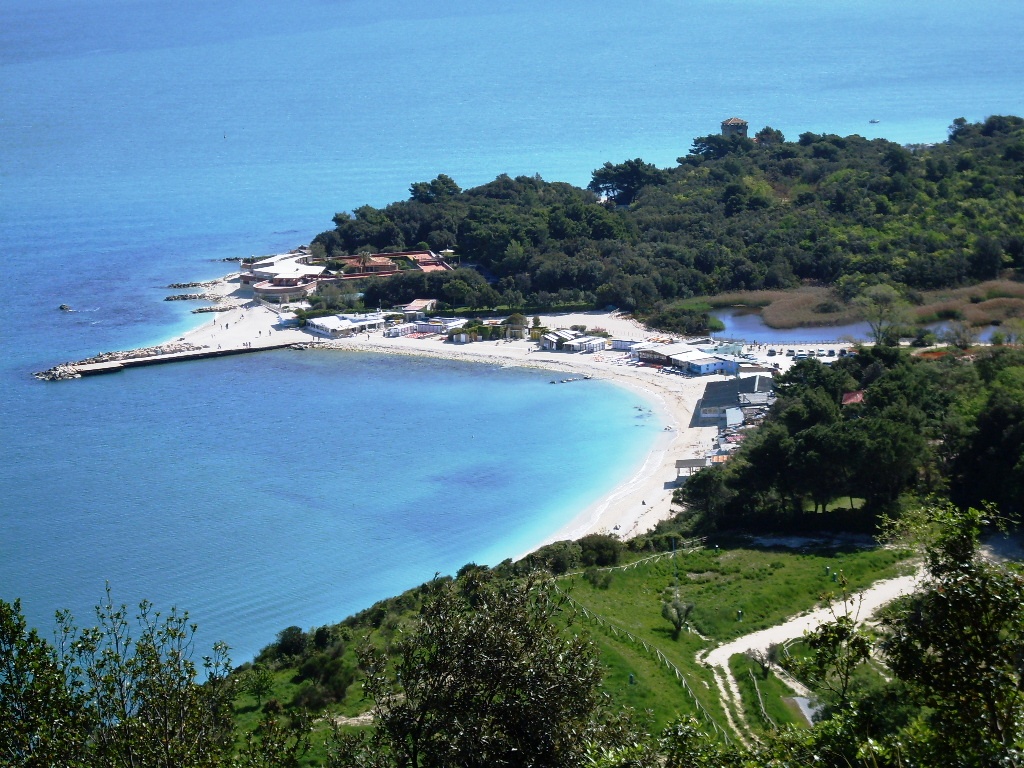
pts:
[863, 606]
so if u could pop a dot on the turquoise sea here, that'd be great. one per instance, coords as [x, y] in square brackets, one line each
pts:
[142, 141]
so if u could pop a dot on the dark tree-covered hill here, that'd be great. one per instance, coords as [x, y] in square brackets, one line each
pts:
[734, 214]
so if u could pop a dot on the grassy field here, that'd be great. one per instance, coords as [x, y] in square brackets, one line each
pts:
[775, 695]
[766, 585]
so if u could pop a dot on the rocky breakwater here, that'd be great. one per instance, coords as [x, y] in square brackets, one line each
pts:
[70, 370]
[60, 372]
[194, 297]
[206, 284]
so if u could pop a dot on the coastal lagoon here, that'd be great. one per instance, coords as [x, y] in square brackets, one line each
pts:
[747, 325]
[143, 142]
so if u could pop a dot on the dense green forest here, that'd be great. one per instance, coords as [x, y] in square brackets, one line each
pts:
[946, 425]
[735, 214]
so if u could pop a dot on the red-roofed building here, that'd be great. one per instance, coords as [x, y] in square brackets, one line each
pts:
[853, 397]
[368, 265]
[383, 264]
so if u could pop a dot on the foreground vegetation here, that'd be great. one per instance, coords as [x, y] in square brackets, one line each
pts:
[491, 669]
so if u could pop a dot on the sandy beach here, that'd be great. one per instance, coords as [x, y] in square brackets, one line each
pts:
[634, 506]
[631, 508]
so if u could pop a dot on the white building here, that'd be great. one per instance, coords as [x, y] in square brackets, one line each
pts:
[557, 339]
[586, 344]
[338, 326]
[400, 330]
[439, 324]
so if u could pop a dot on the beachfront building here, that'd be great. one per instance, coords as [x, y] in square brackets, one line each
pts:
[657, 353]
[696, 359]
[282, 278]
[624, 345]
[586, 344]
[441, 325]
[705, 365]
[556, 340]
[256, 270]
[690, 466]
[339, 326]
[734, 393]
[404, 329]
[291, 282]
[686, 359]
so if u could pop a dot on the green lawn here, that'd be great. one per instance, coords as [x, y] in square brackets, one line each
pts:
[775, 695]
[767, 585]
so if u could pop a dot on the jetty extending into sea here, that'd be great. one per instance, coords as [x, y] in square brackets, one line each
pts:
[137, 358]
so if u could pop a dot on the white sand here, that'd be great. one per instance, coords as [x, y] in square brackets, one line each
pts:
[633, 507]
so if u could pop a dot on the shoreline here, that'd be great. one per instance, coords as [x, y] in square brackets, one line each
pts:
[644, 497]
[633, 506]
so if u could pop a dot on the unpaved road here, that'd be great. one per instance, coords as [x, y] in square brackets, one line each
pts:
[862, 606]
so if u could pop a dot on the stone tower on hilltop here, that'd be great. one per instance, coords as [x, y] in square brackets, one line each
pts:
[734, 126]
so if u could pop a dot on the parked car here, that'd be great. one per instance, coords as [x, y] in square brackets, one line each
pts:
[789, 353]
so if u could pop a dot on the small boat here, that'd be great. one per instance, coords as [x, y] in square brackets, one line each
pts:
[873, 122]
[65, 308]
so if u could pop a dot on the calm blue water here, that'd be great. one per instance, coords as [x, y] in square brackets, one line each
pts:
[142, 140]
[748, 326]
